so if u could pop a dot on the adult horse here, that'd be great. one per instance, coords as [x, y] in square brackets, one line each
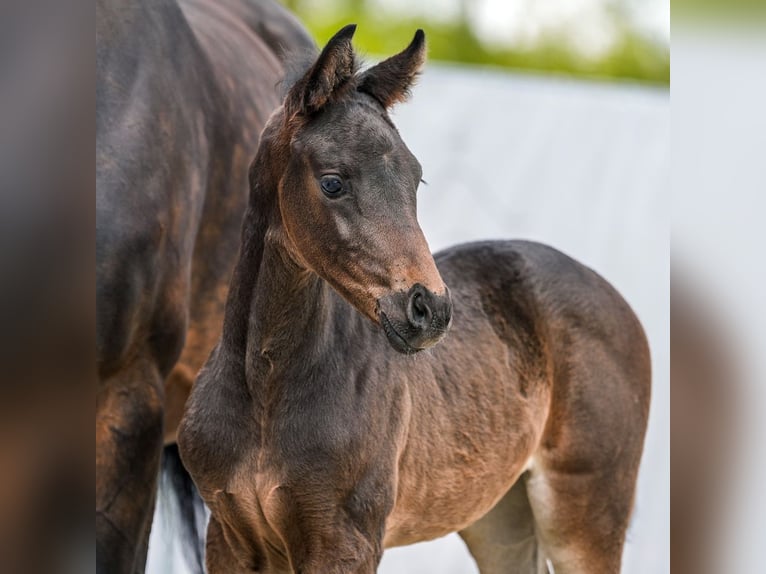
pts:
[183, 90]
[319, 434]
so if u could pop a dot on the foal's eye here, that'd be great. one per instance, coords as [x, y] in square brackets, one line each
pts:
[332, 185]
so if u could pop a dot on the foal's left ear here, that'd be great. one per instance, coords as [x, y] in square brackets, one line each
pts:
[390, 81]
[331, 72]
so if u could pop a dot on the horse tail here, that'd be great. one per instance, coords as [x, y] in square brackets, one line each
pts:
[186, 505]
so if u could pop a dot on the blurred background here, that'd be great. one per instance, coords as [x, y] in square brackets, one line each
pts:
[608, 39]
[718, 313]
[545, 120]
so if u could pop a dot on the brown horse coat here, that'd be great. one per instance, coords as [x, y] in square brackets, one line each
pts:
[183, 90]
[330, 422]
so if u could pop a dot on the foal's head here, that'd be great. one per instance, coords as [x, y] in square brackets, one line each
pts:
[347, 197]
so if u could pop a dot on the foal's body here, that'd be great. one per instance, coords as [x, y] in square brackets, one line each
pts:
[316, 444]
[357, 447]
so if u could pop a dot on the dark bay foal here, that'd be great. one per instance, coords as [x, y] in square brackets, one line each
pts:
[317, 432]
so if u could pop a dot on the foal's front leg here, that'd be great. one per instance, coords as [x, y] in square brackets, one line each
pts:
[328, 531]
[220, 558]
[337, 552]
[344, 553]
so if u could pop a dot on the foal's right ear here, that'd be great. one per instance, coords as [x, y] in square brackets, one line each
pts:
[332, 71]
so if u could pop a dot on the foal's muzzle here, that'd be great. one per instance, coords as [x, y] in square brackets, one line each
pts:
[416, 319]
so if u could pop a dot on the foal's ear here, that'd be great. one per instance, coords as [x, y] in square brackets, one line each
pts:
[390, 81]
[333, 70]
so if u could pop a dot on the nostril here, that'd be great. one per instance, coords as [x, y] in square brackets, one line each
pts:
[419, 307]
[418, 311]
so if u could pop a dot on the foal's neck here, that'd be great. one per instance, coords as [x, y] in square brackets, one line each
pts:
[291, 307]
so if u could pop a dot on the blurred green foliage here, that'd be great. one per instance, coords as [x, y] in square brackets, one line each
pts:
[632, 57]
[720, 11]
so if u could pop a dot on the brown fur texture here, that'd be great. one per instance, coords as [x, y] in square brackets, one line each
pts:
[337, 416]
[183, 91]
[327, 78]
[390, 81]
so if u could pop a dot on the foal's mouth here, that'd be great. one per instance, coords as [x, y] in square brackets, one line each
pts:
[398, 342]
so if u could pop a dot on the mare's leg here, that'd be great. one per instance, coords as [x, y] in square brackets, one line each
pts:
[128, 450]
[503, 541]
[178, 386]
